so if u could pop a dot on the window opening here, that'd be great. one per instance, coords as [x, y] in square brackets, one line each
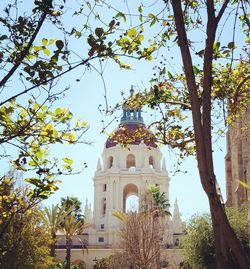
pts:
[100, 239]
[151, 162]
[132, 203]
[130, 161]
[104, 206]
[110, 161]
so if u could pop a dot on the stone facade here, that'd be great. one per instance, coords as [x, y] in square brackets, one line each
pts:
[238, 160]
[129, 174]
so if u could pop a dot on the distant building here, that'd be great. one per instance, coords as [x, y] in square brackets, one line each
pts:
[238, 163]
[238, 160]
[131, 162]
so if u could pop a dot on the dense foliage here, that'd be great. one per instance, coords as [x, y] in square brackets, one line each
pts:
[25, 243]
[199, 245]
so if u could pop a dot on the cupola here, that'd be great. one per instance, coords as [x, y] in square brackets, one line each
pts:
[131, 130]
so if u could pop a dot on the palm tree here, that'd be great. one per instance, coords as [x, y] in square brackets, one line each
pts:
[160, 202]
[73, 203]
[53, 217]
[160, 211]
[72, 226]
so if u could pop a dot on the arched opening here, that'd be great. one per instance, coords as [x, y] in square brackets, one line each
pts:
[130, 198]
[110, 161]
[130, 161]
[151, 162]
[132, 203]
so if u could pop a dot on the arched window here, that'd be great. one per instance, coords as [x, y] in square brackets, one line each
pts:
[104, 206]
[110, 161]
[130, 161]
[132, 203]
[151, 162]
[130, 198]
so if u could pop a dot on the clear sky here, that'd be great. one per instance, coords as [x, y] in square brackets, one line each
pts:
[84, 98]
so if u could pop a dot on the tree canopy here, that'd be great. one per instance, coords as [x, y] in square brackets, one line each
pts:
[198, 244]
[189, 100]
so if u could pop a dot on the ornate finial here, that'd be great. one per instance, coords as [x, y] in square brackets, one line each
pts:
[132, 91]
[131, 115]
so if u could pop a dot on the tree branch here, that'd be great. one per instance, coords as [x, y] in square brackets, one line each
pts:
[47, 80]
[222, 10]
[24, 53]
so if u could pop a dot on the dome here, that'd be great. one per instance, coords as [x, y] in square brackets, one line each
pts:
[132, 130]
[131, 134]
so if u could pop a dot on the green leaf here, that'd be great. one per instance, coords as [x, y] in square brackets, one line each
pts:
[58, 111]
[39, 154]
[216, 45]
[170, 75]
[89, 5]
[33, 181]
[46, 52]
[140, 38]
[68, 161]
[163, 71]
[52, 41]
[196, 70]
[45, 41]
[120, 15]
[132, 33]
[151, 16]
[140, 9]
[37, 48]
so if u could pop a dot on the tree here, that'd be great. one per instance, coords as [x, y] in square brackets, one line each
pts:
[161, 210]
[72, 226]
[118, 260]
[32, 66]
[25, 243]
[13, 200]
[30, 125]
[141, 233]
[196, 92]
[226, 242]
[199, 243]
[74, 207]
[53, 219]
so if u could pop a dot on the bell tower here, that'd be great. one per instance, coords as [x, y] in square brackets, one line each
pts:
[131, 162]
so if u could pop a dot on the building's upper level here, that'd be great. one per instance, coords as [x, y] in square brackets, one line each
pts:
[132, 130]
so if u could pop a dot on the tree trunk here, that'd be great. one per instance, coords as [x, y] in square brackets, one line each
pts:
[229, 252]
[68, 251]
[53, 246]
[158, 256]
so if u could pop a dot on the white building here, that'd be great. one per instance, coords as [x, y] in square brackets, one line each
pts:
[131, 162]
